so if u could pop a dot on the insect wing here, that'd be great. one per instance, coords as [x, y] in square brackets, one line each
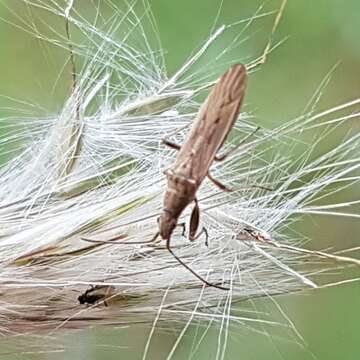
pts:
[212, 125]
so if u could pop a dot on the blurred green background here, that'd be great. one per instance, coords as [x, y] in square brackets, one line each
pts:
[321, 34]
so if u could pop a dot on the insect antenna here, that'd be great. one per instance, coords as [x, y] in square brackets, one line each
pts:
[116, 240]
[191, 270]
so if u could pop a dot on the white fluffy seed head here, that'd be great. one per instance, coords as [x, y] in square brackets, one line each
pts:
[96, 172]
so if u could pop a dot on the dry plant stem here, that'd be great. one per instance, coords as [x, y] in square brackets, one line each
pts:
[262, 59]
[71, 52]
[70, 147]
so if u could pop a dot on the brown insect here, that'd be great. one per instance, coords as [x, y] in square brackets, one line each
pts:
[213, 123]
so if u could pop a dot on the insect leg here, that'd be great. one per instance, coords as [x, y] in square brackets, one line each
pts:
[202, 231]
[217, 183]
[106, 294]
[194, 220]
[194, 225]
[190, 269]
[171, 144]
[183, 226]
[225, 155]
[223, 187]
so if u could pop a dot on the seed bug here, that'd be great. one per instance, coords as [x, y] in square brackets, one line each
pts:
[213, 123]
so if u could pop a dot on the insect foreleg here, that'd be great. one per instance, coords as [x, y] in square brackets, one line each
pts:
[171, 144]
[191, 270]
[194, 220]
[183, 226]
[202, 231]
[194, 225]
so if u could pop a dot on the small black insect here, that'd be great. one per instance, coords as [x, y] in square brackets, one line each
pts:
[95, 294]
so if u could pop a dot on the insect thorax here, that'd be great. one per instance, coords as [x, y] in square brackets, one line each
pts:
[179, 193]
